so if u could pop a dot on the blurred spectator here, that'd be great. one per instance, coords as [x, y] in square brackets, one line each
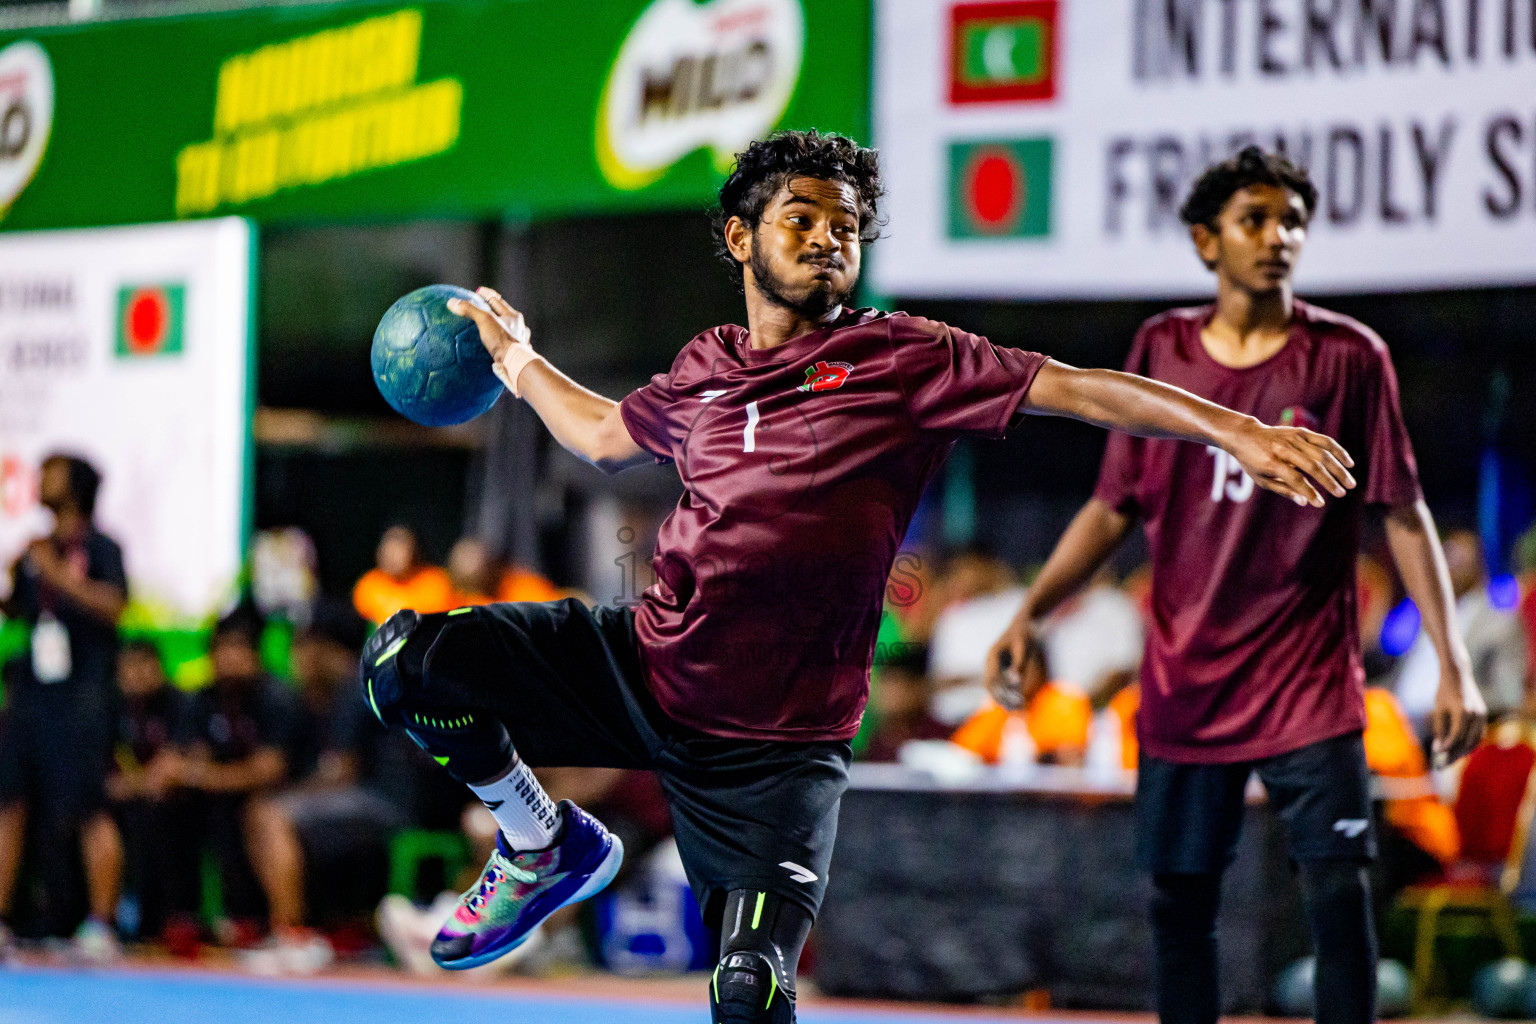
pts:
[327, 818]
[283, 576]
[480, 578]
[1094, 641]
[900, 699]
[133, 826]
[1495, 640]
[70, 589]
[982, 599]
[1525, 565]
[234, 739]
[400, 579]
[1052, 728]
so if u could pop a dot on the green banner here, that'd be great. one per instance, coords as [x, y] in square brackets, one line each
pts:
[451, 108]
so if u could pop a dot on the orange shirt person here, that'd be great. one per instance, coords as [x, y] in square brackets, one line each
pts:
[1393, 752]
[1056, 720]
[400, 580]
[478, 577]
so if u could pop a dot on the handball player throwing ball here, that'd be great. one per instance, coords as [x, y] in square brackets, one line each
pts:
[804, 441]
[1253, 648]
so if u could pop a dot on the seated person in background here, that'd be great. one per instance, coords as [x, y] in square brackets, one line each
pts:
[400, 579]
[325, 816]
[130, 829]
[1495, 639]
[899, 702]
[480, 578]
[1421, 838]
[1052, 727]
[981, 595]
[233, 739]
[1094, 640]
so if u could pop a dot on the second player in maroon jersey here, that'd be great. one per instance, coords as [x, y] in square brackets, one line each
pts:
[1253, 656]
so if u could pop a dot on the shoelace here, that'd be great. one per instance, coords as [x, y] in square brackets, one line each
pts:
[499, 871]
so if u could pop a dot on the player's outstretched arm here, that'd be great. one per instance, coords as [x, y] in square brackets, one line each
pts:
[1297, 463]
[585, 423]
[1094, 534]
[1460, 714]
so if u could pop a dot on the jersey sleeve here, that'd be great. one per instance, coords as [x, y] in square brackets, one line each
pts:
[954, 381]
[649, 414]
[1120, 469]
[1392, 473]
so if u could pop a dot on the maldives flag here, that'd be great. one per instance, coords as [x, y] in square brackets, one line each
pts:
[1002, 52]
[1000, 188]
[149, 319]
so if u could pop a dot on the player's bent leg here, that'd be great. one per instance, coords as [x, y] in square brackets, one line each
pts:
[1184, 934]
[545, 857]
[1337, 896]
[761, 936]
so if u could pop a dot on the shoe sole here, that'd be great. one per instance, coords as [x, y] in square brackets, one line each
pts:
[593, 885]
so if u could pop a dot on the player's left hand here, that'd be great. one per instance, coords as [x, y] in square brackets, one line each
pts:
[1460, 716]
[1294, 462]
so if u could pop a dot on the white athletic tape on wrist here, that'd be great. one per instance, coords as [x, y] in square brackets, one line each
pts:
[513, 362]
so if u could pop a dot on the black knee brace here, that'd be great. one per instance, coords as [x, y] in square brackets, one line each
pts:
[471, 745]
[761, 936]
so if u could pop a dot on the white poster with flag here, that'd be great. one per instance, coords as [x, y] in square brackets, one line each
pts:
[130, 348]
[1042, 148]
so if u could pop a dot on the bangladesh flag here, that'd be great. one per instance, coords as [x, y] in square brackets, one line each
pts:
[1000, 188]
[1002, 52]
[150, 319]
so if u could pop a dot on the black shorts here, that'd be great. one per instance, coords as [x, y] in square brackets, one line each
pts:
[566, 680]
[55, 747]
[1188, 815]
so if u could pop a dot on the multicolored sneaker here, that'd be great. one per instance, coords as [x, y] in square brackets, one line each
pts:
[517, 891]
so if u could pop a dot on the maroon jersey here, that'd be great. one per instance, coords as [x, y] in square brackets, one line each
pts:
[1254, 645]
[803, 465]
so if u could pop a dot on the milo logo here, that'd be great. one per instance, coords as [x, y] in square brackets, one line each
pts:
[26, 115]
[691, 76]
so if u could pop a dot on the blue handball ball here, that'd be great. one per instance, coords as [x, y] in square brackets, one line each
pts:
[429, 363]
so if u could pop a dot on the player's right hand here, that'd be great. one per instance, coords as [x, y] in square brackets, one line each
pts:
[1013, 673]
[501, 326]
[1294, 462]
[1460, 716]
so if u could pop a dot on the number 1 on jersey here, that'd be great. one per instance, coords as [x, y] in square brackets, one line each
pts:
[749, 434]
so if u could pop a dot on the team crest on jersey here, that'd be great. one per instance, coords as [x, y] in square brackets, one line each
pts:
[1297, 416]
[825, 376]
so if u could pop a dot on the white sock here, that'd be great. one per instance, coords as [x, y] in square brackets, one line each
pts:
[527, 816]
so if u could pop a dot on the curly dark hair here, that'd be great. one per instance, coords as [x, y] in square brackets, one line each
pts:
[1252, 166]
[769, 164]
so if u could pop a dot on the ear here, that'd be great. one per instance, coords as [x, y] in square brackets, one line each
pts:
[1207, 244]
[738, 239]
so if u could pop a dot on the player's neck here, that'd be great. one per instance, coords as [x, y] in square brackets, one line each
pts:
[70, 526]
[1248, 327]
[770, 324]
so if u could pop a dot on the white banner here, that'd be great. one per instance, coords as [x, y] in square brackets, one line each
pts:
[129, 347]
[1042, 148]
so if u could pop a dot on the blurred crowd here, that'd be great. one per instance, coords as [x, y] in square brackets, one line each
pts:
[246, 797]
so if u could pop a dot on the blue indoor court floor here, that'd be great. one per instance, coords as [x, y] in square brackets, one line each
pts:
[41, 995]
